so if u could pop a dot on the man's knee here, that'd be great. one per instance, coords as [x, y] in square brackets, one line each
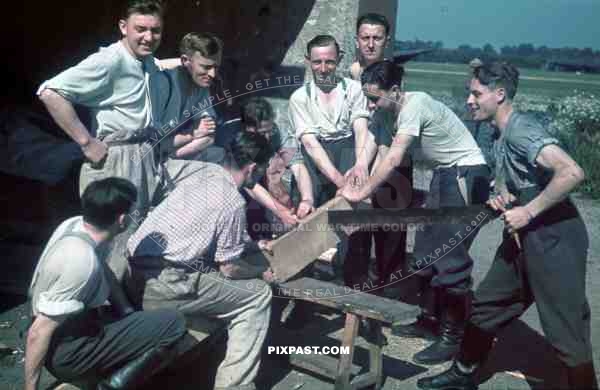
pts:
[169, 324]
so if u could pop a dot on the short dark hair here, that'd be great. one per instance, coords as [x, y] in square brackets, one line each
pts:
[207, 44]
[322, 41]
[498, 74]
[256, 110]
[373, 18]
[384, 74]
[248, 148]
[104, 200]
[143, 7]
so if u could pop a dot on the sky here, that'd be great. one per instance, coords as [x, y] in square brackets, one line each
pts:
[553, 23]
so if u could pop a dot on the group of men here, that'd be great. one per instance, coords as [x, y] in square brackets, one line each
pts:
[162, 165]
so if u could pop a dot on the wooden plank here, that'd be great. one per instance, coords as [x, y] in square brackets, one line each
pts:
[375, 357]
[364, 380]
[347, 300]
[323, 365]
[293, 251]
[342, 381]
[365, 218]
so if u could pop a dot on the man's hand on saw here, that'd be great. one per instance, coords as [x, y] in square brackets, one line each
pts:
[304, 208]
[516, 218]
[266, 246]
[499, 203]
[269, 276]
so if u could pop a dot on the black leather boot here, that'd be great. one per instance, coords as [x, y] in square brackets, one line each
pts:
[451, 379]
[139, 370]
[455, 311]
[582, 377]
[427, 325]
[475, 348]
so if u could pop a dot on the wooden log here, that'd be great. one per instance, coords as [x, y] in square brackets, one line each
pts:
[342, 381]
[293, 251]
[346, 299]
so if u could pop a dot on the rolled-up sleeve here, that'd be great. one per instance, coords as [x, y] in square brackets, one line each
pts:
[529, 140]
[410, 119]
[300, 119]
[359, 105]
[87, 83]
[72, 287]
[290, 147]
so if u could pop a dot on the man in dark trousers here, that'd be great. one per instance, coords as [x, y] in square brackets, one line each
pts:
[542, 257]
[69, 335]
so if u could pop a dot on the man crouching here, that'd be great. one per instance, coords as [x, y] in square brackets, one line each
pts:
[69, 335]
[189, 254]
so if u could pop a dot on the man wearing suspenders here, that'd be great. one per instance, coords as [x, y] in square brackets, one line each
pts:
[68, 334]
[329, 116]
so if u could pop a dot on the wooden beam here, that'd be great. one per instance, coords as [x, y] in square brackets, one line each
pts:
[346, 299]
[365, 218]
[296, 249]
[342, 381]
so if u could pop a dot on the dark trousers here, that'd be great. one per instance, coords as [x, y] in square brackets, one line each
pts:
[550, 271]
[88, 348]
[390, 245]
[441, 251]
[342, 154]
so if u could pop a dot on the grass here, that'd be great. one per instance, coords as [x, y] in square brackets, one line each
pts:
[425, 76]
[587, 155]
[538, 89]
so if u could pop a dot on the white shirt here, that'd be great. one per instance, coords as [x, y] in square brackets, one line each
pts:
[113, 84]
[307, 115]
[69, 276]
[443, 140]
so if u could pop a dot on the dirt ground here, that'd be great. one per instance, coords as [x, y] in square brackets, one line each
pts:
[521, 351]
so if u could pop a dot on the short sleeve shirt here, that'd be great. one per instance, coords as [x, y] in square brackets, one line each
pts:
[443, 140]
[516, 152]
[113, 84]
[203, 219]
[307, 115]
[69, 277]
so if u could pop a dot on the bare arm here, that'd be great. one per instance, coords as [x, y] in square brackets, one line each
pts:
[201, 138]
[262, 196]
[567, 174]
[365, 143]
[391, 160]
[321, 159]
[195, 146]
[365, 149]
[38, 340]
[169, 63]
[304, 182]
[117, 298]
[63, 113]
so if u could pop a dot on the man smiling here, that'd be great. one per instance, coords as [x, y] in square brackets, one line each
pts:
[460, 178]
[181, 96]
[329, 115]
